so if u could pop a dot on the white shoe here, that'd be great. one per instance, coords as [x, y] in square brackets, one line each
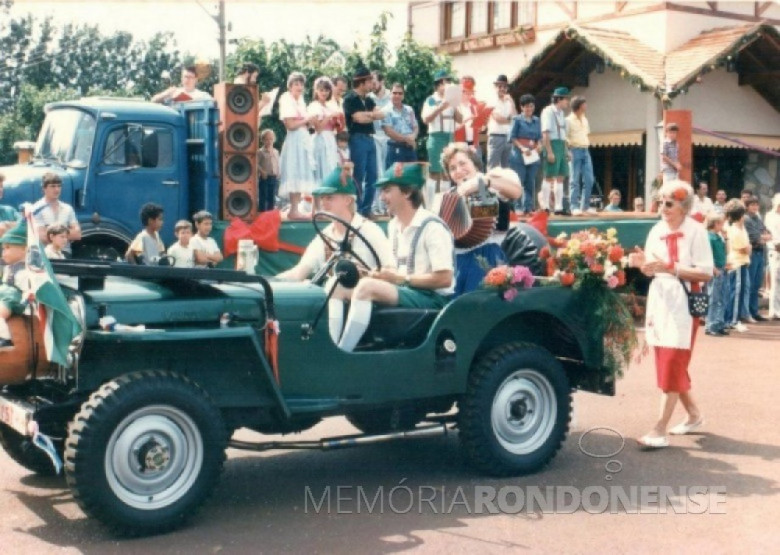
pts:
[740, 327]
[576, 212]
[592, 211]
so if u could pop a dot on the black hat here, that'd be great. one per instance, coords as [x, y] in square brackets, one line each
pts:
[501, 80]
[361, 73]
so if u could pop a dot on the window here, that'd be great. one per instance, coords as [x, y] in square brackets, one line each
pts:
[456, 19]
[526, 13]
[132, 145]
[479, 18]
[502, 15]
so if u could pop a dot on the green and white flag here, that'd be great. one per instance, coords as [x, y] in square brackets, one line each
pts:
[59, 324]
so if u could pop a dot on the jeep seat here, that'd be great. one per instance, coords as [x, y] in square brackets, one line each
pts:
[393, 327]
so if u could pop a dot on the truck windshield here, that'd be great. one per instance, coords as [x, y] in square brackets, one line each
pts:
[66, 136]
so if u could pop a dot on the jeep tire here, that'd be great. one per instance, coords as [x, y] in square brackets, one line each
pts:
[514, 415]
[144, 452]
[22, 450]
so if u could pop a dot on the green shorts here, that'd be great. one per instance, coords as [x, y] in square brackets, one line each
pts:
[559, 168]
[410, 297]
[435, 145]
[12, 298]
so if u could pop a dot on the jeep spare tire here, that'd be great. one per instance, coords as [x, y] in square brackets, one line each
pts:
[514, 415]
[144, 452]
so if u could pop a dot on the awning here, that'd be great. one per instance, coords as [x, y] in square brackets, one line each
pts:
[766, 141]
[616, 138]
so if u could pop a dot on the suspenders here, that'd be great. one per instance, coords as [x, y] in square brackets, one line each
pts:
[410, 257]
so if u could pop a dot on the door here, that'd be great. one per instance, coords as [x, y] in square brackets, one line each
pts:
[138, 165]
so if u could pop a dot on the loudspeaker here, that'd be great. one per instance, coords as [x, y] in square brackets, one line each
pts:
[238, 115]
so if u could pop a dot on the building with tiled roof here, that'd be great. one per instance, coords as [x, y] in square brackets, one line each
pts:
[721, 60]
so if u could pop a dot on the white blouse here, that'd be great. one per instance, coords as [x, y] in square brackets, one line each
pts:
[668, 322]
[291, 108]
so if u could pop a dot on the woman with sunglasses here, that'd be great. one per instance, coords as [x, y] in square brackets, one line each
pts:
[677, 255]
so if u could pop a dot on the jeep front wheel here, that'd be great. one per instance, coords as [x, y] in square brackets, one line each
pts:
[144, 452]
[514, 415]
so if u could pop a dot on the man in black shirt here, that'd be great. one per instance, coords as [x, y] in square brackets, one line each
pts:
[758, 236]
[361, 112]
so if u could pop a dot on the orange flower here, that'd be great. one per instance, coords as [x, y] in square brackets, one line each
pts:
[597, 268]
[615, 253]
[621, 276]
[588, 249]
[496, 277]
[550, 266]
[544, 253]
[567, 279]
[679, 194]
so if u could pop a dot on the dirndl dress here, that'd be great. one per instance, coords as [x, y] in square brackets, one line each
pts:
[325, 154]
[295, 161]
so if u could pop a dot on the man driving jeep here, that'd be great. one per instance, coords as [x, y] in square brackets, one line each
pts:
[338, 196]
[423, 252]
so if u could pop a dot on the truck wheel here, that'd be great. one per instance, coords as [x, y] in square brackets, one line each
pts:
[514, 415]
[22, 450]
[381, 421]
[144, 452]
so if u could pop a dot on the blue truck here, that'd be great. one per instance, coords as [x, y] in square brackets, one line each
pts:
[114, 155]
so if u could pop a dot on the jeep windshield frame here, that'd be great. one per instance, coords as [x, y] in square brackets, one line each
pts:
[67, 136]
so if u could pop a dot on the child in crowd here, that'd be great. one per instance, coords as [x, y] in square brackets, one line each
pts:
[738, 261]
[14, 243]
[342, 142]
[58, 238]
[718, 287]
[207, 254]
[181, 251]
[614, 202]
[147, 247]
[670, 154]
[268, 171]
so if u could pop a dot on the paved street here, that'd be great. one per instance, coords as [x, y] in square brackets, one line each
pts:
[261, 502]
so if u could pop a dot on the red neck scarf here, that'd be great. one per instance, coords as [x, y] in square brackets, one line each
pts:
[671, 246]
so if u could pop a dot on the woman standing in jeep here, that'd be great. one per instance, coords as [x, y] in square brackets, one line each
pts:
[677, 255]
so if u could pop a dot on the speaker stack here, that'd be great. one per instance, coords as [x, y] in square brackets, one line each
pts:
[238, 115]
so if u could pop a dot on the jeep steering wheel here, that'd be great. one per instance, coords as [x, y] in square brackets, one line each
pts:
[340, 248]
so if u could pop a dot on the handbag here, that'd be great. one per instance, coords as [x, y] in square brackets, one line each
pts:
[698, 303]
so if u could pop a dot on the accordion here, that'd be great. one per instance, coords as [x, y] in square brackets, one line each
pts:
[472, 220]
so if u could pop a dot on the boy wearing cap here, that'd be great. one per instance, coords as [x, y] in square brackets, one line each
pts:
[440, 118]
[423, 251]
[499, 147]
[554, 133]
[14, 279]
[338, 196]
[670, 154]
[207, 253]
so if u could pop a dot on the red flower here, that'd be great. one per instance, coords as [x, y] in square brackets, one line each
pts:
[588, 249]
[615, 253]
[544, 253]
[550, 266]
[597, 268]
[398, 171]
[621, 276]
[679, 194]
[567, 279]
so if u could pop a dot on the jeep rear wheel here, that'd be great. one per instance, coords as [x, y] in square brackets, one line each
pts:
[515, 413]
[22, 450]
[144, 452]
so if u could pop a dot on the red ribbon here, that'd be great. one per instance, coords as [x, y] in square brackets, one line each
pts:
[671, 246]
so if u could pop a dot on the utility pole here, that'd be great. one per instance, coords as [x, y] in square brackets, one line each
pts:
[222, 39]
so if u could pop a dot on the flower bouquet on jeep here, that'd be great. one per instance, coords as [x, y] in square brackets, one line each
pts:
[595, 260]
[508, 279]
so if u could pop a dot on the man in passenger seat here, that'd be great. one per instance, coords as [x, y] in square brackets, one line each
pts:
[423, 250]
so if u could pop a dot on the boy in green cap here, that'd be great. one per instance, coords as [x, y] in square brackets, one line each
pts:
[554, 133]
[423, 252]
[440, 118]
[338, 196]
[14, 243]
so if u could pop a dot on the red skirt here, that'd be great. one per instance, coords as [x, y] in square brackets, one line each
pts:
[671, 365]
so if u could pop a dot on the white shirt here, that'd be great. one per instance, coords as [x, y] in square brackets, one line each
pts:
[444, 122]
[289, 107]
[183, 257]
[702, 206]
[149, 246]
[554, 122]
[772, 223]
[45, 214]
[668, 322]
[501, 107]
[314, 256]
[207, 245]
[434, 250]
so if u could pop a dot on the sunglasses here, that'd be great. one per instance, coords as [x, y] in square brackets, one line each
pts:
[53, 185]
[668, 203]
[398, 93]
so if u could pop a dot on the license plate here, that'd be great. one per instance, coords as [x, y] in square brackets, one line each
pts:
[15, 415]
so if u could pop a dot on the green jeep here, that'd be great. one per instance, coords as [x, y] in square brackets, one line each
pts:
[140, 419]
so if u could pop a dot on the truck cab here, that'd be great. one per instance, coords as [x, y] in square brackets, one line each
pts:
[114, 155]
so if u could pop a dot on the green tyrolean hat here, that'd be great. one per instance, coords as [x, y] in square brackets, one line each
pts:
[17, 235]
[412, 175]
[338, 182]
[561, 91]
